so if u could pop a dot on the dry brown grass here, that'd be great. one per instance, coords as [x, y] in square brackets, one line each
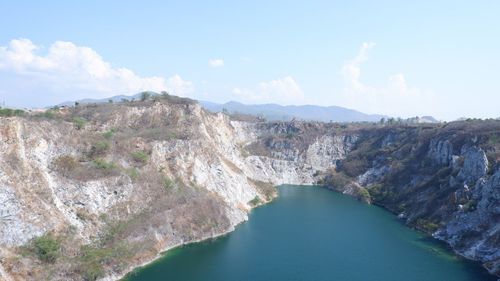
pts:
[268, 190]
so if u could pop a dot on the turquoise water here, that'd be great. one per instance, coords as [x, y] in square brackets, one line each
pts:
[314, 234]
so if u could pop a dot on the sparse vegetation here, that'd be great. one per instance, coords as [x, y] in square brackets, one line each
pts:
[109, 134]
[167, 182]
[338, 180]
[160, 134]
[175, 99]
[79, 122]
[102, 164]
[8, 112]
[46, 247]
[70, 167]
[426, 225]
[65, 164]
[364, 194]
[267, 189]
[82, 214]
[140, 156]
[255, 201]
[99, 148]
[377, 192]
[49, 114]
[109, 248]
[133, 173]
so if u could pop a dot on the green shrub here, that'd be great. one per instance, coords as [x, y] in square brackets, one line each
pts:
[92, 260]
[140, 156]
[99, 148]
[103, 164]
[79, 122]
[167, 182]
[255, 201]
[175, 99]
[426, 225]
[49, 114]
[109, 248]
[8, 112]
[377, 192]
[133, 173]
[364, 194]
[109, 134]
[46, 248]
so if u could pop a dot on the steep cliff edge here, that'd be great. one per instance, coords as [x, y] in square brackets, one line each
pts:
[94, 191]
[443, 180]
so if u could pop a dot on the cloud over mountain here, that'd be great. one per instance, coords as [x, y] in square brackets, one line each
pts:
[284, 91]
[66, 71]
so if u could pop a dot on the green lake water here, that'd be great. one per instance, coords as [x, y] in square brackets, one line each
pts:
[313, 234]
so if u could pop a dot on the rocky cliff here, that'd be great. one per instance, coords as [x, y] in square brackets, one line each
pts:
[91, 192]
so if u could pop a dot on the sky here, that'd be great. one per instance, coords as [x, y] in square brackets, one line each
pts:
[400, 58]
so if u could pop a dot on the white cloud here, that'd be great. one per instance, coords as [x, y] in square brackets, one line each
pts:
[178, 86]
[216, 62]
[394, 98]
[68, 71]
[351, 71]
[283, 91]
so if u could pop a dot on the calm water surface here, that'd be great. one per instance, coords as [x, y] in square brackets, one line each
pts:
[310, 233]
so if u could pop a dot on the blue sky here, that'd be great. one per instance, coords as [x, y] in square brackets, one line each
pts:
[401, 58]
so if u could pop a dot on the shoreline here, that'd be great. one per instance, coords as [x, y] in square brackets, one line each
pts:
[164, 251]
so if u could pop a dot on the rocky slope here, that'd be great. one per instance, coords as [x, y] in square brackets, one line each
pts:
[442, 179]
[91, 192]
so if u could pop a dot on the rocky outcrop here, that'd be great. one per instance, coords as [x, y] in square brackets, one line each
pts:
[475, 164]
[441, 151]
[373, 175]
[324, 153]
[475, 233]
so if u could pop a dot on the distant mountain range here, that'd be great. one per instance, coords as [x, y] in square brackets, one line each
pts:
[274, 112]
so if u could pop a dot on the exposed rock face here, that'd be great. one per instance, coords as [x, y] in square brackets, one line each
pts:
[198, 174]
[441, 151]
[210, 190]
[327, 150]
[476, 234]
[373, 175]
[417, 176]
[475, 164]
